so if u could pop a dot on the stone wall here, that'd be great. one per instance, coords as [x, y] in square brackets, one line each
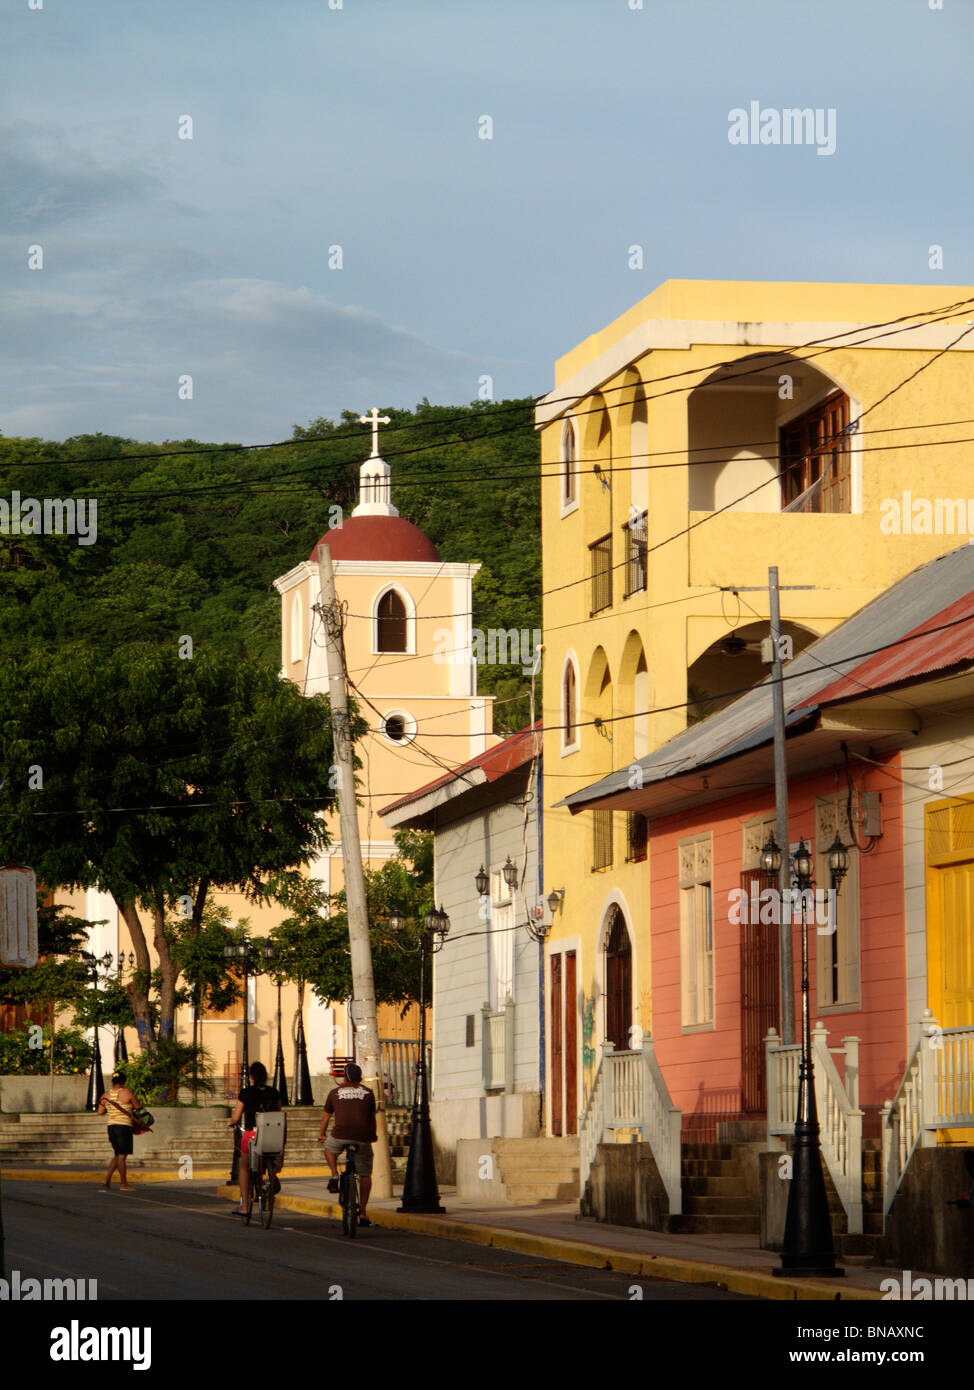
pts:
[505, 1116]
[922, 1231]
[32, 1094]
[625, 1189]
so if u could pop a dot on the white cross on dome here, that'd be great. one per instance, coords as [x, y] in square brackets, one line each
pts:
[375, 475]
[375, 420]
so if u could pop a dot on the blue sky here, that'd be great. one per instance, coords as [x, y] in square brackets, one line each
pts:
[461, 257]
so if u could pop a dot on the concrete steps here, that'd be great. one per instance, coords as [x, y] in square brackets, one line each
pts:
[716, 1198]
[536, 1171]
[69, 1140]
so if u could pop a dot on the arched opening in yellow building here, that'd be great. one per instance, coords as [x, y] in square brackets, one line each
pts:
[733, 663]
[769, 433]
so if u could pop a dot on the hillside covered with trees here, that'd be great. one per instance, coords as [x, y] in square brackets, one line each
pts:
[190, 536]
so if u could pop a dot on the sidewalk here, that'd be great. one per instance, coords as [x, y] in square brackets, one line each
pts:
[555, 1231]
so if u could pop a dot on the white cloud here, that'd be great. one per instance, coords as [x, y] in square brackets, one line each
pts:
[107, 353]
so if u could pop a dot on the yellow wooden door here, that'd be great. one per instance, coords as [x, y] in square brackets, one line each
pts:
[954, 1004]
[950, 921]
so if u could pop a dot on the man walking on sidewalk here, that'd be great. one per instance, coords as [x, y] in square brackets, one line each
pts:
[352, 1106]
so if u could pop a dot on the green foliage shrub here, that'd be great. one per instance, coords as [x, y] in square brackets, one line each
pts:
[72, 1054]
[156, 1073]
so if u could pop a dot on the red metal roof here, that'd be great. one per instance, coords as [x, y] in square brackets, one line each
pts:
[912, 656]
[388, 539]
[497, 762]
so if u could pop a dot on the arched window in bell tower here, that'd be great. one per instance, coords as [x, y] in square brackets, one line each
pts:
[392, 623]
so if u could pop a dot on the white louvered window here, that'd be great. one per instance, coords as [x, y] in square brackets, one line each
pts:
[500, 943]
[696, 933]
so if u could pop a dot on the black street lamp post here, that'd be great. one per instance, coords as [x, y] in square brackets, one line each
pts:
[302, 1073]
[269, 952]
[238, 953]
[808, 1249]
[420, 1192]
[96, 1082]
[121, 1051]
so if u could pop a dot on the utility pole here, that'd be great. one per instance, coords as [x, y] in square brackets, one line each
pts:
[785, 967]
[363, 986]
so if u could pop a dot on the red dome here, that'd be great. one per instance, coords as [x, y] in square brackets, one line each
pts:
[386, 539]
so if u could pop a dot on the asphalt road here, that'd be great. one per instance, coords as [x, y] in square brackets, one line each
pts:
[178, 1241]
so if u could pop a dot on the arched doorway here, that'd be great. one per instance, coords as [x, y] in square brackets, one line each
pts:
[618, 982]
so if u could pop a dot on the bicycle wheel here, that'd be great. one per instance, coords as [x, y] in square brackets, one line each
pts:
[266, 1192]
[250, 1197]
[349, 1200]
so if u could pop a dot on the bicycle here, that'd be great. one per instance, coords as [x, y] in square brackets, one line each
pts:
[262, 1181]
[266, 1149]
[348, 1193]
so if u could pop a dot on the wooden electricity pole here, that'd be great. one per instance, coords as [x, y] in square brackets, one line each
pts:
[363, 986]
[786, 978]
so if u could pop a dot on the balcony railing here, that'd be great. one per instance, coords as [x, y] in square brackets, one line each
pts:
[636, 554]
[837, 1102]
[937, 1092]
[629, 1093]
[601, 562]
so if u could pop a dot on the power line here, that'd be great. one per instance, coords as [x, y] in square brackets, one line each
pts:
[935, 315]
[139, 497]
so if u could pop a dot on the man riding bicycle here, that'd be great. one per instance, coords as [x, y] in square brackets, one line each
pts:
[352, 1107]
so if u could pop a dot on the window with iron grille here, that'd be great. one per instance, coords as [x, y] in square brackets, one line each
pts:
[601, 553]
[816, 472]
[637, 837]
[634, 536]
[601, 840]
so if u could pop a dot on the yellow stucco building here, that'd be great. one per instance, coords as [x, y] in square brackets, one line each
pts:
[714, 429]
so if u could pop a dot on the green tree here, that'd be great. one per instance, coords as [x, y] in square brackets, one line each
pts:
[162, 780]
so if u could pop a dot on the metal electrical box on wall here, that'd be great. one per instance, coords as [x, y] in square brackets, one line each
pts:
[867, 812]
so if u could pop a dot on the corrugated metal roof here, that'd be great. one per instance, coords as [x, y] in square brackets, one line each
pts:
[487, 767]
[949, 643]
[908, 606]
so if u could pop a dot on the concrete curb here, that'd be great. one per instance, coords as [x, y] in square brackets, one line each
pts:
[137, 1175]
[754, 1282]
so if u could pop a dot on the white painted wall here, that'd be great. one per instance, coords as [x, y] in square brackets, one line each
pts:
[461, 978]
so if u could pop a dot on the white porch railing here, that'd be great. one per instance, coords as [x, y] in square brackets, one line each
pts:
[630, 1093]
[837, 1102]
[937, 1092]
